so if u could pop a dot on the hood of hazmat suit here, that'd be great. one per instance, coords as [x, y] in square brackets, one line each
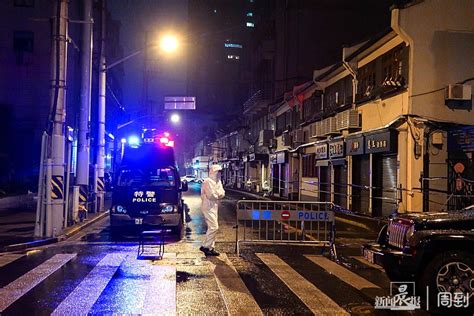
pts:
[212, 189]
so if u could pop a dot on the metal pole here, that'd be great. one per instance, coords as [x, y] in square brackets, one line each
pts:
[49, 205]
[39, 225]
[99, 179]
[59, 59]
[83, 150]
[68, 180]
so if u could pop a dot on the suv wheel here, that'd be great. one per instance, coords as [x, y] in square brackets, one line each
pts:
[452, 271]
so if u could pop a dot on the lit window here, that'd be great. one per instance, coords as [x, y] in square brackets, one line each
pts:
[215, 11]
[236, 57]
[250, 24]
[249, 14]
[232, 45]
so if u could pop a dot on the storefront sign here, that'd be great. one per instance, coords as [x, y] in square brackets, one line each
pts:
[245, 158]
[273, 158]
[380, 142]
[461, 139]
[355, 146]
[336, 149]
[281, 157]
[321, 151]
[258, 157]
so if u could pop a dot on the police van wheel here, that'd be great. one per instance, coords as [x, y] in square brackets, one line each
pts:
[451, 271]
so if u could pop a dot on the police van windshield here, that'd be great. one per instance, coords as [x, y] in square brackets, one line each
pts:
[160, 177]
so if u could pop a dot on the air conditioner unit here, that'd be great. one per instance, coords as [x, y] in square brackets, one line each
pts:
[347, 120]
[316, 130]
[461, 92]
[286, 139]
[330, 126]
[298, 136]
[265, 137]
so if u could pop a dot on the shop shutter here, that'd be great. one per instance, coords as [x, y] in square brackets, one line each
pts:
[389, 184]
[360, 180]
[340, 186]
[325, 184]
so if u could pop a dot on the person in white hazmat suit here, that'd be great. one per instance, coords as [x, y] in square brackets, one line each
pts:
[211, 192]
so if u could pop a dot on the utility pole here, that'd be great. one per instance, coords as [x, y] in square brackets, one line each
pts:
[99, 184]
[55, 204]
[83, 155]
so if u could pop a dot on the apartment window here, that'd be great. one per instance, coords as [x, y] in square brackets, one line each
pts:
[280, 124]
[394, 66]
[309, 166]
[236, 57]
[23, 46]
[250, 14]
[367, 79]
[24, 3]
[250, 24]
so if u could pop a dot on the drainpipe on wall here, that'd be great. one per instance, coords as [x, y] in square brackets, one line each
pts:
[353, 71]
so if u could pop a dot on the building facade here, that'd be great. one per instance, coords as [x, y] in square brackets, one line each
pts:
[389, 127]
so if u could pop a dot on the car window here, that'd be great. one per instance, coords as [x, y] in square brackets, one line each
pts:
[162, 177]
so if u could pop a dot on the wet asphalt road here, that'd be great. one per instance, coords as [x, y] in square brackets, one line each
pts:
[97, 274]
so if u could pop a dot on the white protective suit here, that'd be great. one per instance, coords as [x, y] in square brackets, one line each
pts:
[211, 192]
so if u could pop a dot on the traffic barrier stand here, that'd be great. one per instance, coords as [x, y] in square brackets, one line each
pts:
[286, 222]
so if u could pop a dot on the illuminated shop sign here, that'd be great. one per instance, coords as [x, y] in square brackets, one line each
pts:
[380, 142]
[336, 149]
[355, 146]
[321, 151]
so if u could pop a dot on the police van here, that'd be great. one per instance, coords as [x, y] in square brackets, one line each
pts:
[148, 189]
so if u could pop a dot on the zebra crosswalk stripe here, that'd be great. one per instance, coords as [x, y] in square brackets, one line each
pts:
[88, 291]
[6, 259]
[367, 263]
[161, 291]
[318, 302]
[16, 289]
[237, 297]
[342, 273]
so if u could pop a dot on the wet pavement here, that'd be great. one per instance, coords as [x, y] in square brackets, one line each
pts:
[95, 273]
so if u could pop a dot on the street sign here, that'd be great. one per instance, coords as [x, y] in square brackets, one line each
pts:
[285, 215]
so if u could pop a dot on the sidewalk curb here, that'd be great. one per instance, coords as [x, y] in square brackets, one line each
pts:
[30, 244]
[70, 231]
[367, 223]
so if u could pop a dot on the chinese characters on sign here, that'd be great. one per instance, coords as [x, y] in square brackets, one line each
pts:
[147, 197]
[321, 151]
[336, 149]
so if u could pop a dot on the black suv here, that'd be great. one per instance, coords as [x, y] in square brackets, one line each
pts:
[432, 249]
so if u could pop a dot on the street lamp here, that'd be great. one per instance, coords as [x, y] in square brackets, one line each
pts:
[169, 43]
[175, 118]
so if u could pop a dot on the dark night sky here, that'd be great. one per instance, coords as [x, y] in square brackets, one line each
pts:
[356, 20]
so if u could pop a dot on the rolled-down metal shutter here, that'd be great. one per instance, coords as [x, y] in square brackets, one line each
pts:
[389, 184]
[340, 185]
[324, 184]
[361, 182]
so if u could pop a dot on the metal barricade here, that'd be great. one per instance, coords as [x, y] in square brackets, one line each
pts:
[275, 222]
